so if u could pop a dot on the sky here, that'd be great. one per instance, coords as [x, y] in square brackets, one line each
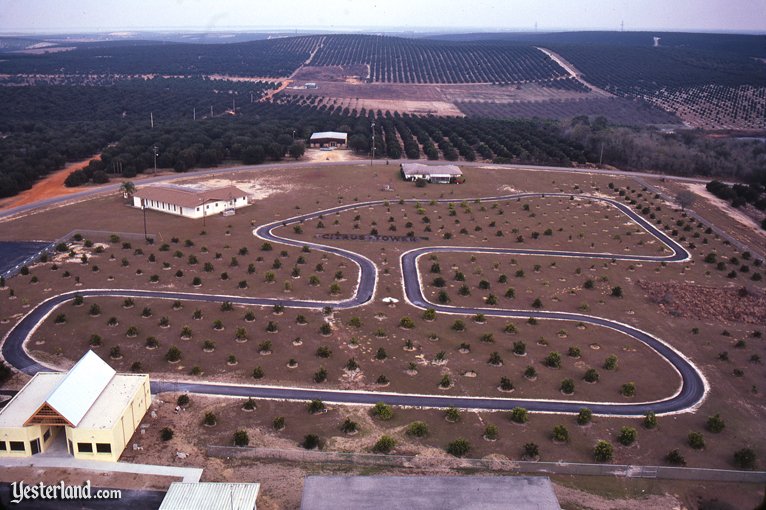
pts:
[62, 16]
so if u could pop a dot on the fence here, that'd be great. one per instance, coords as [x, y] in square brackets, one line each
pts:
[51, 247]
[488, 464]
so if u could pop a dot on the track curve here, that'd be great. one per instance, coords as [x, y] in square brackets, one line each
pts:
[689, 395]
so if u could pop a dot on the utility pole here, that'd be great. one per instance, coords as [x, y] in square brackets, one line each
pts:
[233, 105]
[154, 149]
[372, 142]
[601, 157]
[293, 136]
[251, 97]
[211, 111]
[151, 119]
[194, 112]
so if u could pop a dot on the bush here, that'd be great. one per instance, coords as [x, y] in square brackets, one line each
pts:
[617, 292]
[627, 436]
[452, 414]
[531, 450]
[311, 441]
[519, 415]
[696, 440]
[603, 451]
[349, 426]
[490, 432]
[316, 406]
[173, 355]
[567, 386]
[591, 375]
[715, 423]
[560, 433]
[650, 420]
[417, 429]
[249, 404]
[406, 323]
[382, 411]
[628, 389]
[384, 445]
[209, 419]
[257, 373]
[675, 458]
[745, 458]
[553, 360]
[584, 416]
[278, 423]
[241, 438]
[459, 447]
[166, 434]
[610, 363]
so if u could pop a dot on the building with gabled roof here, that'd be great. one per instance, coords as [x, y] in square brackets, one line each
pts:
[190, 202]
[443, 174]
[96, 409]
[329, 139]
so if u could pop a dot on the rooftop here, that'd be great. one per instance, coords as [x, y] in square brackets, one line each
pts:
[84, 396]
[421, 169]
[329, 134]
[210, 496]
[188, 197]
[428, 492]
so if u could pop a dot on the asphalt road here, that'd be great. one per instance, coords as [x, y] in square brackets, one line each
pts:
[691, 391]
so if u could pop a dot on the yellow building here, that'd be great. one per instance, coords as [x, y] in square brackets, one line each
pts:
[96, 408]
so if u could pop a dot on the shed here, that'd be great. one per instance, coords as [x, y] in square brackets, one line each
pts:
[210, 496]
[428, 492]
[329, 139]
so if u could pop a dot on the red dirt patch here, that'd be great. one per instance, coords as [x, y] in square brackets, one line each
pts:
[699, 302]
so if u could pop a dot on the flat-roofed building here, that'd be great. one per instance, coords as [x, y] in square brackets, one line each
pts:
[210, 496]
[442, 174]
[96, 408]
[428, 492]
[329, 139]
[190, 202]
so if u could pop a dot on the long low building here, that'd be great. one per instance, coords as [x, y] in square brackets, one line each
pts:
[190, 202]
[96, 409]
[329, 139]
[442, 174]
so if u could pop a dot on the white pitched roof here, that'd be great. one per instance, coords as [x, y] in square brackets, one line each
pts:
[329, 134]
[421, 169]
[77, 392]
[210, 496]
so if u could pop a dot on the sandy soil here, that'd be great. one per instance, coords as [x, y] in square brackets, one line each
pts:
[258, 188]
[733, 212]
[336, 155]
[49, 187]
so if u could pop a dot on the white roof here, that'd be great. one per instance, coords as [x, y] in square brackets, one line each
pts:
[29, 399]
[210, 496]
[421, 169]
[81, 387]
[329, 134]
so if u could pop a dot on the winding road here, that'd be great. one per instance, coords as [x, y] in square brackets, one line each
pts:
[690, 393]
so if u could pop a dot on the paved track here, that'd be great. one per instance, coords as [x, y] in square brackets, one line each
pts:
[690, 393]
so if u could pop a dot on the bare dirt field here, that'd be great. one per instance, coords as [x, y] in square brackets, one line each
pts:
[727, 350]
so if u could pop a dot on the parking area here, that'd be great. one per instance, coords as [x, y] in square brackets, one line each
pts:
[14, 253]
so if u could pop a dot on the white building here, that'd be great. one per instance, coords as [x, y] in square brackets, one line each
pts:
[189, 202]
[210, 496]
[329, 139]
[443, 174]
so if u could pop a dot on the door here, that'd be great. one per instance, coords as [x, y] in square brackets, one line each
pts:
[35, 445]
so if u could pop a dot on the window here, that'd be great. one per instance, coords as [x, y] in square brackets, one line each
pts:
[17, 446]
[85, 447]
[103, 448]
[47, 434]
[2, 446]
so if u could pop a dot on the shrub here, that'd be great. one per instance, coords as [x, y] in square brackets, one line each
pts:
[611, 362]
[166, 434]
[696, 440]
[715, 423]
[617, 292]
[382, 411]
[249, 404]
[627, 436]
[417, 429]
[311, 441]
[445, 381]
[519, 348]
[241, 438]
[316, 406]
[452, 414]
[553, 360]
[429, 314]
[495, 359]
[174, 354]
[115, 352]
[320, 375]
[278, 423]
[384, 445]
[459, 447]
[531, 450]
[560, 433]
[209, 419]
[591, 375]
[567, 386]
[675, 458]
[584, 416]
[628, 389]
[650, 420]
[519, 415]
[257, 373]
[530, 372]
[603, 451]
[744, 458]
[506, 384]
[458, 325]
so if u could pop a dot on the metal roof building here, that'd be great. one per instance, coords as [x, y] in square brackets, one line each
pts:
[329, 139]
[428, 492]
[210, 496]
[190, 202]
[97, 409]
[432, 173]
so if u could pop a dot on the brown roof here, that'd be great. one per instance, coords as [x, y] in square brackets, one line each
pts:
[188, 197]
